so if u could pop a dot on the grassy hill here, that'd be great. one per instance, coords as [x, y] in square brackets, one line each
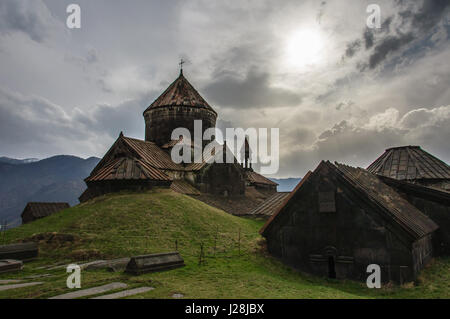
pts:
[237, 265]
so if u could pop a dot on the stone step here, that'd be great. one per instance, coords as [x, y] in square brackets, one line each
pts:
[15, 286]
[125, 293]
[91, 291]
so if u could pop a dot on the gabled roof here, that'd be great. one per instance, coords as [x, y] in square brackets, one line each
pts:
[255, 178]
[180, 93]
[39, 210]
[399, 209]
[130, 158]
[152, 154]
[409, 163]
[393, 207]
[270, 205]
[435, 194]
[128, 169]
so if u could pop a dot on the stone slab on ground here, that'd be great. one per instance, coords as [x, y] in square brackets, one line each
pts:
[91, 291]
[38, 276]
[8, 265]
[15, 286]
[9, 281]
[113, 264]
[125, 293]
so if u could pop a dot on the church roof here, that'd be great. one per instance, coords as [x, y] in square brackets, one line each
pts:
[270, 205]
[255, 178]
[128, 169]
[409, 163]
[146, 155]
[180, 93]
[399, 209]
[152, 154]
[391, 204]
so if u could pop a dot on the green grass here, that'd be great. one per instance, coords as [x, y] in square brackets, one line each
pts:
[127, 224]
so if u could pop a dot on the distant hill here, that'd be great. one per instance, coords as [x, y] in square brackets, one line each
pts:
[286, 184]
[9, 160]
[54, 179]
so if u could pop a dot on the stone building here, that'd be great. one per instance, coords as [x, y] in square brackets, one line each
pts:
[340, 219]
[414, 165]
[138, 165]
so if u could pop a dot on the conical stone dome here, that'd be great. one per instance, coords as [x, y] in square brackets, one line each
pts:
[178, 106]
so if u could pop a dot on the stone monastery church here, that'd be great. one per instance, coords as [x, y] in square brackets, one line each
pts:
[134, 164]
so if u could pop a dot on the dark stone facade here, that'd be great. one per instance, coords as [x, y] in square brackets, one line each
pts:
[328, 229]
[160, 122]
[432, 202]
[221, 179]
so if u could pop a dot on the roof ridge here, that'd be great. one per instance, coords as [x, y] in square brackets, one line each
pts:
[181, 90]
[409, 163]
[410, 227]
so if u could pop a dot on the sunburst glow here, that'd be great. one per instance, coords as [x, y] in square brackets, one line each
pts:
[304, 47]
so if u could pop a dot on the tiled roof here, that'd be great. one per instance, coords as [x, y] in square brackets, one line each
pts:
[270, 205]
[180, 93]
[184, 187]
[399, 209]
[152, 154]
[44, 209]
[128, 169]
[409, 163]
[136, 159]
[395, 208]
[255, 178]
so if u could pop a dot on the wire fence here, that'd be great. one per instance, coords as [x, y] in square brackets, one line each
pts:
[205, 245]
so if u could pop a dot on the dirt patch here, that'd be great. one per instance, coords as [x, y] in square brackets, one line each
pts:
[85, 254]
[54, 238]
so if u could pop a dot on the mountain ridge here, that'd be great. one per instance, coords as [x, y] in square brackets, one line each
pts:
[55, 179]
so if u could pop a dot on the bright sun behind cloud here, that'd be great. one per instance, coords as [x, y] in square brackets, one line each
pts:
[304, 47]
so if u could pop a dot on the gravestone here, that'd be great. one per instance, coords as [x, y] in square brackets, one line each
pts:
[10, 265]
[20, 251]
[154, 262]
[113, 264]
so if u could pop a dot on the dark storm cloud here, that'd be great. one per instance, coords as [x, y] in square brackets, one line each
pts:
[30, 17]
[389, 45]
[254, 91]
[352, 48]
[413, 24]
[368, 38]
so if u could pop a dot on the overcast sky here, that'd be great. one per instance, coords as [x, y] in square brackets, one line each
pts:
[336, 89]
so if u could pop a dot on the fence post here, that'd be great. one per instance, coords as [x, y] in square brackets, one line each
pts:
[239, 242]
[200, 257]
[215, 240]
